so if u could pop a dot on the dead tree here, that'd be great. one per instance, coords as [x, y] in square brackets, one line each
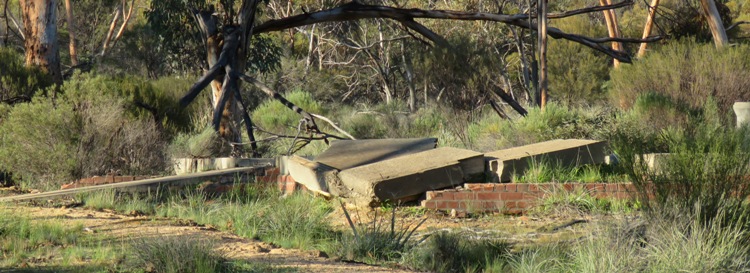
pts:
[227, 46]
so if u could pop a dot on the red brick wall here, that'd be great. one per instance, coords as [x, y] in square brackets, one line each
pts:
[284, 182]
[513, 198]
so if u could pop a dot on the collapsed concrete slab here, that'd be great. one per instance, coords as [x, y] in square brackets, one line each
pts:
[314, 175]
[406, 177]
[346, 154]
[321, 175]
[503, 164]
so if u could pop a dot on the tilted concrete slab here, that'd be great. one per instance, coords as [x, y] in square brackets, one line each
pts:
[314, 175]
[140, 185]
[405, 177]
[345, 154]
[502, 164]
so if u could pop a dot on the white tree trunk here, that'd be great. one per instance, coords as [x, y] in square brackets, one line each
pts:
[39, 18]
[714, 23]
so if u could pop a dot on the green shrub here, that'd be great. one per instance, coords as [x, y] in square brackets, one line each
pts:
[689, 74]
[85, 131]
[576, 73]
[204, 144]
[40, 141]
[18, 81]
[555, 122]
[708, 165]
[275, 117]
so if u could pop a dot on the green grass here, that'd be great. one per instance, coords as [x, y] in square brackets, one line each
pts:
[48, 243]
[544, 171]
[581, 201]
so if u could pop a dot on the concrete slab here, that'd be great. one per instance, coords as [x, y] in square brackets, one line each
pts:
[314, 175]
[405, 177]
[345, 154]
[502, 164]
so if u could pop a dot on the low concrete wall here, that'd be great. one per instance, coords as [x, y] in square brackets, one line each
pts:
[514, 198]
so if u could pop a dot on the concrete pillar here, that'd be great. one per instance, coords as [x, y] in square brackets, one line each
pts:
[742, 111]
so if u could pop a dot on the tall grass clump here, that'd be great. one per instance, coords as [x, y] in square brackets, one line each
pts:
[178, 254]
[380, 241]
[686, 243]
[457, 252]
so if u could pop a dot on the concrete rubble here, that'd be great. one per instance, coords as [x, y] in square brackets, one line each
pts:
[369, 172]
[503, 164]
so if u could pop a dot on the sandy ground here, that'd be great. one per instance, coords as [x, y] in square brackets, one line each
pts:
[521, 230]
[127, 227]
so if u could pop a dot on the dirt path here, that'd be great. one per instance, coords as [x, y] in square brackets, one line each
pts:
[127, 227]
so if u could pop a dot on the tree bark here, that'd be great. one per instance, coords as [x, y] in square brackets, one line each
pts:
[228, 113]
[111, 31]
[614, 31]
[71, 33]
[39, 18]
[714, 23]
[647, 29]
[542, 37]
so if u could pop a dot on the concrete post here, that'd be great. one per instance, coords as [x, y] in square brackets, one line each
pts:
[742, 111]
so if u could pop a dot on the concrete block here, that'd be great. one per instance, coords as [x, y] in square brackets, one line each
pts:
[406, 177]
[655, 163]
[502, 164]
[314, 175]
[345, 154]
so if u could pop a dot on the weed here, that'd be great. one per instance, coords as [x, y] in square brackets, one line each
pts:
[456, 252]
[380, 240]
[178, 254]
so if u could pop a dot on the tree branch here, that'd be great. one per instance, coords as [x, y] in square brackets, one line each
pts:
[280, 98]
[230, 45]
[426, 32]
[356, 11]
[588, 10]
